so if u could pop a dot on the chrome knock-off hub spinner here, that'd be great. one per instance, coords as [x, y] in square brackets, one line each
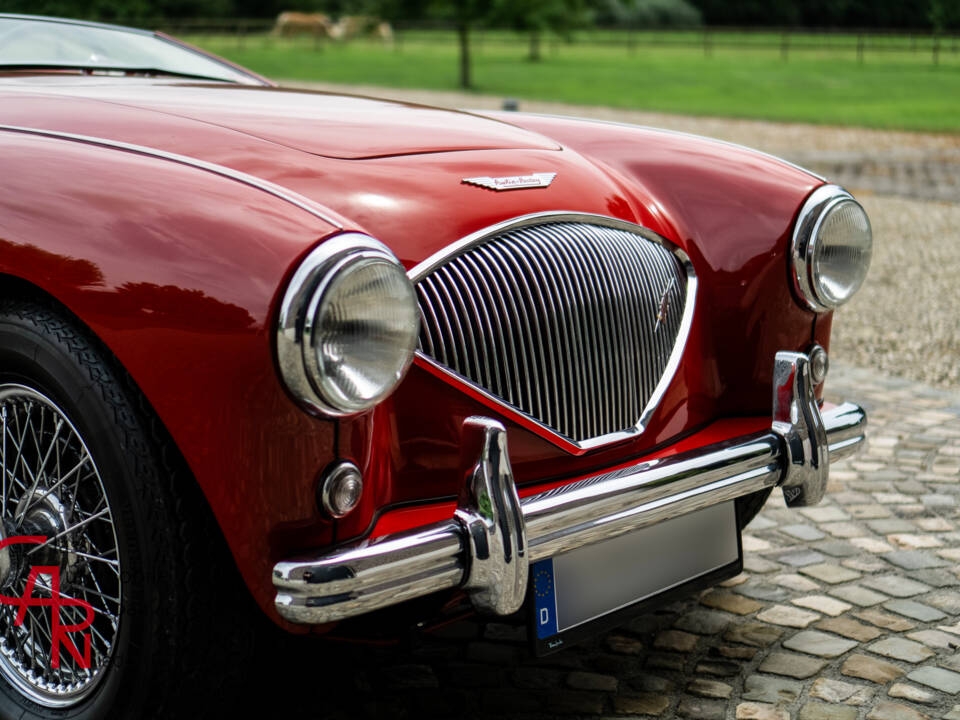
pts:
[44, 516]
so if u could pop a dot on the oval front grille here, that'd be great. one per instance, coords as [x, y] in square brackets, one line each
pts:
[572, 323]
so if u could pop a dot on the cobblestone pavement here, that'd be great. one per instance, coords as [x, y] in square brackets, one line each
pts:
[845, 611]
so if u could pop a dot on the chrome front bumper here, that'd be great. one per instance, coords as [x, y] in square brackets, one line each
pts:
[487, 547]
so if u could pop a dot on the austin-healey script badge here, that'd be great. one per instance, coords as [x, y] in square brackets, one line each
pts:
[515, 182]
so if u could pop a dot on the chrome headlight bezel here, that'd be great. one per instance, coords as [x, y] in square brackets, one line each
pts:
[806, 242]
[296, 357]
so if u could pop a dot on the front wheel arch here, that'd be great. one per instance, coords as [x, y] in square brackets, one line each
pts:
[207, 578]
[13, 287]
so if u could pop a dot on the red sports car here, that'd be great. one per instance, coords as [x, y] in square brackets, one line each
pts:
[354, 354]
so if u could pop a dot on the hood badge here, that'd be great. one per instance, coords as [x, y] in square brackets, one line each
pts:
[514, 182]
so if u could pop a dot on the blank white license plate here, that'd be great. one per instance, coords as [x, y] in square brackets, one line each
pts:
[587, 590]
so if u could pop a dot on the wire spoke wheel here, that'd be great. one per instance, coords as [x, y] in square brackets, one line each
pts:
[51, 488]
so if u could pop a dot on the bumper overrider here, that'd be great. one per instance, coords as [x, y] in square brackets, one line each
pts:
[488, 545]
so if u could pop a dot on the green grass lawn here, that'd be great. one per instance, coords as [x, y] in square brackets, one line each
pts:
[891, 89]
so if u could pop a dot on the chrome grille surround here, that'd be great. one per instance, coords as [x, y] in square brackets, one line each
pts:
[600, 282]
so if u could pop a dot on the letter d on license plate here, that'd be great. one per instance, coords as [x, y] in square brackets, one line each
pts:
[599, 586]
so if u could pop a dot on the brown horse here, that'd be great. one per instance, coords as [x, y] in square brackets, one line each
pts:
[293, 24]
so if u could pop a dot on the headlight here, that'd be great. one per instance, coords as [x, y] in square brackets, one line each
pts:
[348, 326]
[832, 245]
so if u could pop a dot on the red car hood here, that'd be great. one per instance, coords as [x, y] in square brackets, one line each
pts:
[334, 126]
[396, 171]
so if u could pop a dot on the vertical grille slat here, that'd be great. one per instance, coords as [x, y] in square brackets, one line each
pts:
[591, 312]
[587, 362]
[513, 362]
[649, 338]
[626, 337]
[469, 334]
[560, 325]
[527, 332]
[602, 286]
[454, 332]
[483, 306]
[557, 319]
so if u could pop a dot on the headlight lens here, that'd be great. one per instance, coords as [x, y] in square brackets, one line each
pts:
[364, 332]
[832, 247]
[348, 326]
[842, 253]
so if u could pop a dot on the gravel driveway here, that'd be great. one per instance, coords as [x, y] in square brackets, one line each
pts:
[906, 319]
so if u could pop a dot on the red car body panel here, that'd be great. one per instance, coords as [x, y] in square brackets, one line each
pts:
[178, 270]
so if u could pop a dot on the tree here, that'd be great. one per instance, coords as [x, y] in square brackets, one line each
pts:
[533, 16]
[465, 15]
[943, 14]
[537, 17]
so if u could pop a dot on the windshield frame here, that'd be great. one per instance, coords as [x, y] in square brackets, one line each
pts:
[156, 34]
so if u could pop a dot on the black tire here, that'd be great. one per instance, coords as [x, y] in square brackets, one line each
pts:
[748, 506]
[169, 652]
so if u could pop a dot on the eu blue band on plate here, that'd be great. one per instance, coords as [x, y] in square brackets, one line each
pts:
[545, 598]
